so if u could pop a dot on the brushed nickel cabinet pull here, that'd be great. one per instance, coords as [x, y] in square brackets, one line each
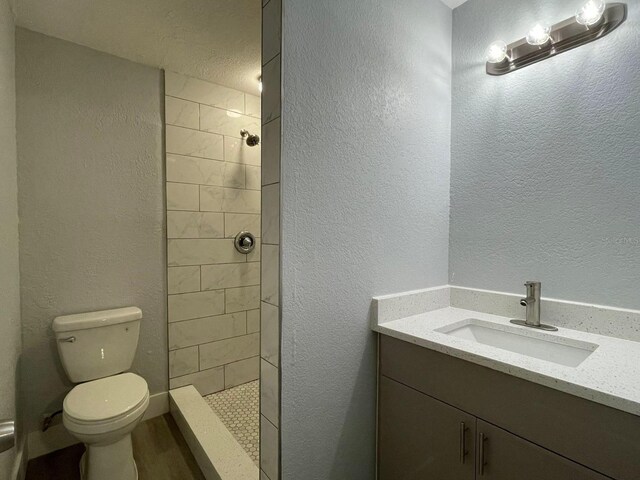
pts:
[481, 460]
[7, 435]
[463, 442]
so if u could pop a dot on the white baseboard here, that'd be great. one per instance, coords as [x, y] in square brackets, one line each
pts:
[158, 405]
[56, 437]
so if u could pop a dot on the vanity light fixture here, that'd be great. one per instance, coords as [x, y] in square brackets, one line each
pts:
[497, 52]
[592, 22]
[591, 12]
[260, 83]
[539, 35]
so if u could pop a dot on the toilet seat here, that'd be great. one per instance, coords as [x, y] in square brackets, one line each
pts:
[105, 405]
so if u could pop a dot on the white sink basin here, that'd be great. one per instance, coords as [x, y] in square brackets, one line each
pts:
[551, 348]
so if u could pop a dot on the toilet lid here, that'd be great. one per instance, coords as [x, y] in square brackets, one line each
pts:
[106, 398]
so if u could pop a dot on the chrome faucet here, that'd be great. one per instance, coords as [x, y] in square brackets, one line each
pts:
[532, 303]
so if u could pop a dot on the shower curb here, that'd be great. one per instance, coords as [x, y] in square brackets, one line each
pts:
[218, 453]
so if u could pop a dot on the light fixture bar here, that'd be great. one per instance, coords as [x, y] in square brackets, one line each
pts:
[564, 36]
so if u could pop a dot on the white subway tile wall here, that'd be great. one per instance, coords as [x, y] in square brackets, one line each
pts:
[194, 143]
[241, 372]
[213, 192]
[270, 236]
[184, 279]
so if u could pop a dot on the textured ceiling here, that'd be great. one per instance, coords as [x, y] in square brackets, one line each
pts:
[453, 3]
[216, 40]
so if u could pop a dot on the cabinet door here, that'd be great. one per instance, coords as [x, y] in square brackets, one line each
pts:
[421, 438]
[503, 456]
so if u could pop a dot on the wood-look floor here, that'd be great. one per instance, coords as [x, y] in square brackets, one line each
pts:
[158, 448]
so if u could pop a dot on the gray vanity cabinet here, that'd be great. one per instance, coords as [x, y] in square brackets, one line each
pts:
[507, 457]
[513, 429]
[422, 438]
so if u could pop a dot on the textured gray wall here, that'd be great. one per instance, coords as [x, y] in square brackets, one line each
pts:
[546, 160]
[365, 208]
[91, 203]
[9, 273]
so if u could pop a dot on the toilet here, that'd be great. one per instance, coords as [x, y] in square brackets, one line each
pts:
[96, 350]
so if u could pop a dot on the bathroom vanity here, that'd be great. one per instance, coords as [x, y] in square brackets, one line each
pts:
[463, 394]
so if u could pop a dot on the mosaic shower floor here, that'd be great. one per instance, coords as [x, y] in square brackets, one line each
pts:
[239, 410]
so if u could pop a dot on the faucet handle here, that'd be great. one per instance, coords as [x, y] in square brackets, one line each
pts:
[533, 288]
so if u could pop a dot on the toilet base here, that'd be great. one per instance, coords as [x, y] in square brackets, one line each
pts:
[109, 461]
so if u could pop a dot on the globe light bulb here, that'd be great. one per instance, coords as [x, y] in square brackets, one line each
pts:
[497, 52]
[538, 35]
[591, 12]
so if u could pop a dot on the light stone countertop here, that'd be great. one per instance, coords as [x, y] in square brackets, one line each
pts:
[609, 376]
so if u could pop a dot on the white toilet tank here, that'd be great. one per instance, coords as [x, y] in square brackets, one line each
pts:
[97, 344]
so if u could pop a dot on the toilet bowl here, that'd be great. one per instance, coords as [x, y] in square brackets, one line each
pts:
[103, 409]
[102, 414]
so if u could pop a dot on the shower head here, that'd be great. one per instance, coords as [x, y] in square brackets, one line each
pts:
[252, 140]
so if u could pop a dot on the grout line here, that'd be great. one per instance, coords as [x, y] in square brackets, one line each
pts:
[195, 130]
[243, 360]
[209, 104]
[187, 155]
[271, 119]
[208, 132]
[213, 159]
[213, 184]
[235, 361]
[269, 303]
[224, 224]
[268, 421]
[264, 64]
[214, 341]
[213, 264]
[270, 363]
[183, 156]
[204, 238]
[212, 290]
[224, 297]
[217, 211]
[212, 317]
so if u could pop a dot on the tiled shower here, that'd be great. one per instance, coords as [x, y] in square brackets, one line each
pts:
[213, 193]
[209, 348]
